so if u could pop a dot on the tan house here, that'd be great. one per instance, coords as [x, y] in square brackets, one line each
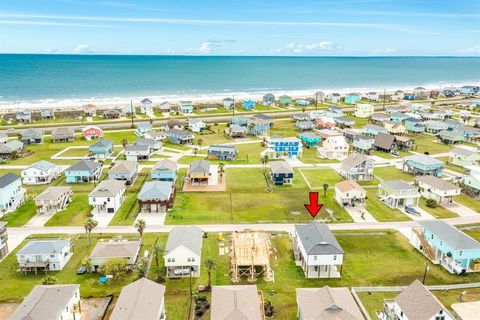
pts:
[53, 199]
[236, 302]
[350, 193]
[109, 249]
[394, 127]
[199, 172]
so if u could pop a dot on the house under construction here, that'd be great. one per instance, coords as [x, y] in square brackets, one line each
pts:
[251, 255]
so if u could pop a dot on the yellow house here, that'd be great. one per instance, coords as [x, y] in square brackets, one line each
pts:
[394, 127]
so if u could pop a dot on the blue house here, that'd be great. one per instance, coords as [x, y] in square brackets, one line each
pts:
[284, 148]
[221, 152]
[310, 139]
[101, 149]
[413, 125]
[446, 245]
[409, 96]
[398, 117]
[334, 112]
[179, 136]
[185, 107]
[249, 104]
[239, 120]
[281, 173]
[164, 170]
[142, 128]
[373, 130]
[453, 124]
[12, 194]
[469, 90]
[83, 171]
[422, 164]
[258, 127]
[352, 98]
[302, 102]
[268, 99]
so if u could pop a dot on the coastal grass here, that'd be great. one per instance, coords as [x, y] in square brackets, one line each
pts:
[317, 177]
[392, 173]
[472, 203]
[438, 212]
[380, 211]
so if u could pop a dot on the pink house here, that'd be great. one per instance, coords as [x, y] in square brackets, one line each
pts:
[92, 132]
[325, 122]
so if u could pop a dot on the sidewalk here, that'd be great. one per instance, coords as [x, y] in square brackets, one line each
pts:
[459, 209]
[356, 214]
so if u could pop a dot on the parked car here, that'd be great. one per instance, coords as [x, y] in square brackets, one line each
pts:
[412, 210]
[81, 270]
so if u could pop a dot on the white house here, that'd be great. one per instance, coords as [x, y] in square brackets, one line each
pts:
[183, 252]
[435, 188]
[196, 125]
[334, 147]
[414, 302]
[11, 192]
[137, 152]
[398, 193]
[52, 302]
[146, 106]
[41, 172]
[364, 110]
[108, 196]
[44, 255]
[334, 97]
[114, 249]
[373, 96]
[317, 251]
[350, 193]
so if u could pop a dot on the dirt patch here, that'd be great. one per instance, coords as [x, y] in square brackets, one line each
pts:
[93, 309]
[7, 309]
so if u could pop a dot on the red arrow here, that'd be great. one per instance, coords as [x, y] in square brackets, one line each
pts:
[313, 208]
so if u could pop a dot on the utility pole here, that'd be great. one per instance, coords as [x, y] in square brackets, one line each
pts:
[425, 272]
[191, 295]
[384, 97]
[233, 106]
[131, 111]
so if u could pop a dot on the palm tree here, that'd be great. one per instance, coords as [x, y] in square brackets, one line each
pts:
[325, 188]
[200, 142]
[124, 142]
[87, 264]
[221, 170]
[210, 265]
[265, 159]
[195, 151]
[303, 110]
[89, 225]
[156, 251]
[140, 225]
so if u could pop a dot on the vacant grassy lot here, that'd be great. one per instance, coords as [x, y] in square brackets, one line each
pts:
[473, 204]
[310, 155]
[438, 212]
[22, 215]
[392, 173]
[381, 211]
[319, 176]
[428, 143]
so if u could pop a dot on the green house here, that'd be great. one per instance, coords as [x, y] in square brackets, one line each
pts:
[450, 137]
[285, 100]
[310, 139]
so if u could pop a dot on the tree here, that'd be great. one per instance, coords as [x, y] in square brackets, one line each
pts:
[157, 251]
[124, 142]
[115, 267]
[140, 225]
[431, 203]
[87, 264]
[195, 151]
[210, 265]
[200, 142]
[221, 170]
[89, 225]
[265, 160]
[303, 109]
[325, 188]
[49, 280]
[142, 267]
[14, 154]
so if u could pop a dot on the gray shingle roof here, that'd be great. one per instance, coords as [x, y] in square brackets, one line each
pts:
[42, 165]
[398, 185]
[124, 167]
[279, 167]
[462, 151]
[238, 128]
[423, 159]
[156, 190]
[31, 133]
[354, 160]
[189, 237]
[102, 143]
[199, 166]
[165, 165]
[181, 133]
[237, 302]
[222, 148]
[108, 188]
[437, 182]
[84, 165]
[43, 247]
[384, 141]
[116, 249]
[453, 237]
[7, 179]
[317, 239]
[137, 147]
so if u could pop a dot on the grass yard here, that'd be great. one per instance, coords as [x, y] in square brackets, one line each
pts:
[359, 122]
[451, 166]
[380, 211]
[439, 212]
[22, 215]
[392, 173]
[310, 155]
[428, 143]
[284, 128]
[473, 204]
[318, 176]
[75, 152]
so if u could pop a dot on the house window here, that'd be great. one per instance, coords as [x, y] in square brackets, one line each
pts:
[461, 252]
[401, 314]
[52, 256]
[335, 257]
[315, 258]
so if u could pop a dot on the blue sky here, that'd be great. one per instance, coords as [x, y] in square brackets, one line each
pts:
[242, 27]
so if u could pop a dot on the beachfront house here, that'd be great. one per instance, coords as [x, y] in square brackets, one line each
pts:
[112, 114]
[146, 106]
[268, 99]
[106, 250]
[23, 116]
[183, 252]
[164, 170]
[128, 111]
[450, 137]
[352, 98]
[32, 136]
[363, 144]
[413, 125]
[142, 128]
[281, 173]
[319, 97]
[373, 96]
[141, 299]
[92, 133]
[278, 148]
[434, 126]
[409, 96]
[196, 125]
[373, 130]
[222, 152]
[438, 189]
[463, 157]
[125, 171]
[258, 127]
[363, 110]
[53, 199]
[334, 147]
[310, 139]
[469, 90]
[56, 302]
[3, 240]
[178, 136]
[156, 196]
[304, 125]
[102, 149]
[317, 251]
[137, 152]
[470, 182]
[447, 246]
[414, 303]
[44, 255]
[350, 193]
[398, 95]
[324, 122]
[12, 194]
[422, 164]
[285, 100]
[108, 196]
[41, 172]
[63, 134]
[385, 143]
[249, 104]
[302, 102]
[47, 113]
[357, 167]
[398, 193]
[327, 304]
[243, 302]
[89, 110]
[334, 97]
[83, 171]
[228, 103]
[185, 107]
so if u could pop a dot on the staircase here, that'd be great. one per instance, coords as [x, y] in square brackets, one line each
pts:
[426, 247]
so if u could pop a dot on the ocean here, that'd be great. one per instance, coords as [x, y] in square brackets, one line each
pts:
[68, 80]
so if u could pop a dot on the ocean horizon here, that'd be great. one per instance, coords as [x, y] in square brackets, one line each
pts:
[69, 80]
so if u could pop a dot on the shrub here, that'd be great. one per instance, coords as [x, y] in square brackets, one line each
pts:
[431, 203]
[49, 280]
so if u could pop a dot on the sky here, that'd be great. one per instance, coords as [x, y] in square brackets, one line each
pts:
[242, 27]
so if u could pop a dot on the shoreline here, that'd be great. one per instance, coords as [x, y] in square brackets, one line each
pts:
[116, 102]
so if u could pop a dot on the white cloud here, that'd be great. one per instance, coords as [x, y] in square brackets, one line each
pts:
[206, 47]
[83, 48]
[473, 51]
[310, 48]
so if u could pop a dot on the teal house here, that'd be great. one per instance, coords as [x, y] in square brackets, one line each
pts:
[285, 100]
[83, 171]
[373, 130]
[353, 98]
[164, 170]
[451, 137]
[413, 125]
[185, 107]
[239, 121]
[422, 164]
[453, 124]
[447, 246]
[249, 104]
[398, 117]
[310, 139]
[101, 149]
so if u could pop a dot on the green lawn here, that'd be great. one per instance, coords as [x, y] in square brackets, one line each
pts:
[439, 212]
[392, 173]
[310, 155]
[22, 215]
[380, 211]
[318, 176]
[428, 143]
[473, 204]
[451, 166]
